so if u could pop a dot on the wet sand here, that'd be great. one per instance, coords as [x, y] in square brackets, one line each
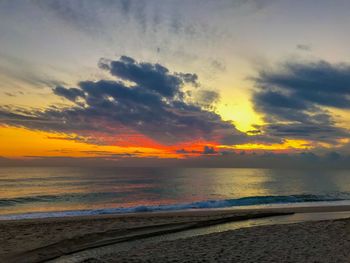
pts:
[36, 240]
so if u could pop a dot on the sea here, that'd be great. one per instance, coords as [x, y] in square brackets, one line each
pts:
[40, 192]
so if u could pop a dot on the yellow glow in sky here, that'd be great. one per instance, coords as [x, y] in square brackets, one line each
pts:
[286, 145]
[238, 108]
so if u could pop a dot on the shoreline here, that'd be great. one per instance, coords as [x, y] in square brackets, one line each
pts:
[283, 208]
[250, 202]
[45, 236]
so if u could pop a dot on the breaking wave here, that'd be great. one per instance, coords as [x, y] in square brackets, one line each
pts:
[209, 204]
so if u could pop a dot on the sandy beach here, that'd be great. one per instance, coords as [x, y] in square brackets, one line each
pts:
[38, 240]
[325, 241]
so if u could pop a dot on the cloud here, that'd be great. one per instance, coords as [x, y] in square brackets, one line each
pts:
[218, 65]
[9, 94]
[294, 100]
[208, 97]
[70, 94]
[153, 77]
[144, 99]
[303, 47]
[97, 16]
[180, 19]
[320, 82]
[182, 151]
[81, 14]
[209, 150]
[206, 150]
[18, 70]
[205, 98]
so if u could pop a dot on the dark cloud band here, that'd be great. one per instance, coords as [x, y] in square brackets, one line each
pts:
[294, 100]
[145, 98]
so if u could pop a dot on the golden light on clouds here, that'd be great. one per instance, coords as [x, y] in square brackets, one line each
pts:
[286, 145]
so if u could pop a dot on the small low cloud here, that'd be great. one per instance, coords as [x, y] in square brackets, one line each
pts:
[9, 94]
[219, 66]
[304, 47]
[209, 150]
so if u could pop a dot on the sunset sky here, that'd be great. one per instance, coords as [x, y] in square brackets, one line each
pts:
[183, 79]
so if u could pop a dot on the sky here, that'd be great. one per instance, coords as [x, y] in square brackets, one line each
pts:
[161, 81]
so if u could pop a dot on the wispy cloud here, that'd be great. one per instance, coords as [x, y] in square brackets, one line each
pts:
[21, 71]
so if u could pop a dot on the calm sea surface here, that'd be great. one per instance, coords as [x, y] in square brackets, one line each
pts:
[77, 191]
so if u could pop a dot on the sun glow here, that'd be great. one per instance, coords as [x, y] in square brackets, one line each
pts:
[241, 113]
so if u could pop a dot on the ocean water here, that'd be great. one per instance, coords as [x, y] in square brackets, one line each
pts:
[32, 192]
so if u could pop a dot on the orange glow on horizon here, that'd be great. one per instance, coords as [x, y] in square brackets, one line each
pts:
[286, 145]
[19, 142]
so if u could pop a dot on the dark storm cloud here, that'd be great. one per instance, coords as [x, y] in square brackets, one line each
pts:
[70, 94]
[314, 132]
[321, 83]
[153, 77]
[153, 105]
[294, 99]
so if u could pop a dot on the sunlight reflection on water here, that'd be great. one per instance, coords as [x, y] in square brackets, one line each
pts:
[40, 189]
